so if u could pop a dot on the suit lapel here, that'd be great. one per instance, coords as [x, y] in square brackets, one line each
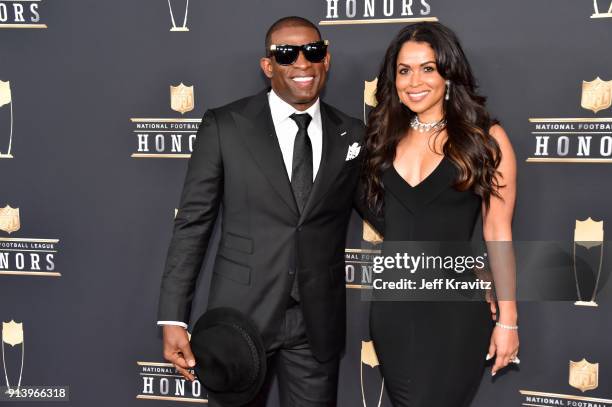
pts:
[332, 158]
[257, 130]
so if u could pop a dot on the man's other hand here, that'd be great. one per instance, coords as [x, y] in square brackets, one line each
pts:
[177, 350]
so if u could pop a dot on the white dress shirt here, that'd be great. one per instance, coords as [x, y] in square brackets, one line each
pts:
[286, 130]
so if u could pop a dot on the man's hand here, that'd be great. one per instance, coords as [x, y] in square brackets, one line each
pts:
[178, 351]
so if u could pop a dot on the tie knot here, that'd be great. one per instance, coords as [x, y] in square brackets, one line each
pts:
[302, 120]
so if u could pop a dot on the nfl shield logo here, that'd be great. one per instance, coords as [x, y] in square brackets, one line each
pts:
[369, 93]
[583, 375]
[369, 97]
[596, 95]
[181, 98]
[9, 219]
[370, 234]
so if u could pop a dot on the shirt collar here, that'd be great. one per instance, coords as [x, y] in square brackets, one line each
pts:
[281, 110]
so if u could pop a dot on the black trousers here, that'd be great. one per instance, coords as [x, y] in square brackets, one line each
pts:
[303, 381]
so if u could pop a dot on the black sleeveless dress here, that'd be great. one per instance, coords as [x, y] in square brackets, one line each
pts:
[431, 354]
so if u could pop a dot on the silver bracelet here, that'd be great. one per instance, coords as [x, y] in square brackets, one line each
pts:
[512, 327]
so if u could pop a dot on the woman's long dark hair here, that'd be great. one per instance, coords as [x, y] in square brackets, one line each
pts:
[469, 146]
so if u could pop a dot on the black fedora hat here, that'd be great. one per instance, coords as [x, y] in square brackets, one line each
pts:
[230, 356]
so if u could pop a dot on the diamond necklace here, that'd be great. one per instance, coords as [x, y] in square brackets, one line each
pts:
[416, 124]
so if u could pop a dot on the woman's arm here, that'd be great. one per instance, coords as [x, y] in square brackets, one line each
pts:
[497, 231]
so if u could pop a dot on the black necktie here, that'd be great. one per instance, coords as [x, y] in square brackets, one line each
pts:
[301, 174]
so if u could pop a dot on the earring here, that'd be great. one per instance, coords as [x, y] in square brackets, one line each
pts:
[447, 96]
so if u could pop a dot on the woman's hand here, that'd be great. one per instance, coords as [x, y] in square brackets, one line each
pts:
[504, 346]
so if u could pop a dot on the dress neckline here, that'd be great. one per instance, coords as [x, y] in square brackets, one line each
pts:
[424, 180]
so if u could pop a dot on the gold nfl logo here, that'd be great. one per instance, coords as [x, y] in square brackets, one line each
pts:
[181, 98]
[596, 95]
[583, 375]
[9, 219]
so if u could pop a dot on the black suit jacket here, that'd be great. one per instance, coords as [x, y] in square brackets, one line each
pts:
[237, 163]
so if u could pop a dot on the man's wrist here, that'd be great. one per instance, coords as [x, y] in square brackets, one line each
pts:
[175, 323]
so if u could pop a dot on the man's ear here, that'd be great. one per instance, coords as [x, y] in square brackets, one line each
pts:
[266, 67]
[327, 61]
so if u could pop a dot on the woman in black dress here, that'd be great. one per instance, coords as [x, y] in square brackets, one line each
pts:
[435, 161]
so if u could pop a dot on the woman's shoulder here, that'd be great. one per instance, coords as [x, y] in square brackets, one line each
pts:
[505, 146]
[499, 134]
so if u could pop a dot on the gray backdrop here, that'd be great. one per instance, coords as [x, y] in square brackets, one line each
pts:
[77, 84]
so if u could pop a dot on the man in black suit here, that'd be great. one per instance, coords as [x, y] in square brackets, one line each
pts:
[282, 164]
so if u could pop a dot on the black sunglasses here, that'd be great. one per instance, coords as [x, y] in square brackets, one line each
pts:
[288, 54]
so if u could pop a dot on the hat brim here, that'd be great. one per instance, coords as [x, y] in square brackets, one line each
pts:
[231, 316]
